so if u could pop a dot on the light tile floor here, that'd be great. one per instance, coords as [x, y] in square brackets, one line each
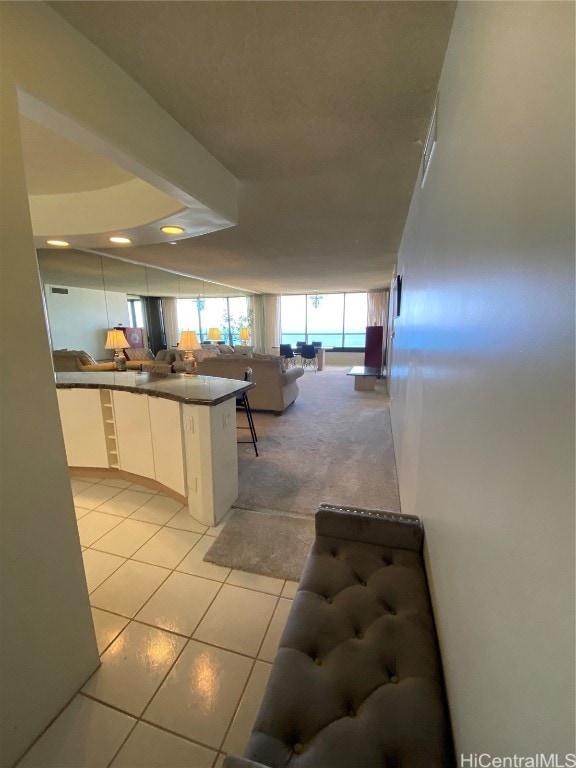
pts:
[186, 646]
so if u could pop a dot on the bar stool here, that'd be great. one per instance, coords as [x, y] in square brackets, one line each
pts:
[242, 402]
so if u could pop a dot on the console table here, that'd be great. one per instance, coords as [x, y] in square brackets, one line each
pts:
[365, 377]
[172, 432]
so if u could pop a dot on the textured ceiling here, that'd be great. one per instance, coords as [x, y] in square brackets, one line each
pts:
[318, 108]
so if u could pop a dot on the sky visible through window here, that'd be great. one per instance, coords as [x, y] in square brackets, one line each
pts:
[335, 319]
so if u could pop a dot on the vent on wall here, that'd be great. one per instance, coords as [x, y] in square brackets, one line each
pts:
[430, 142]
[59, 290]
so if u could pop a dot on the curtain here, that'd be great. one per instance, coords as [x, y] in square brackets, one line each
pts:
[378, 302]
[170, 313]
[265, 309]
[378, 307]
[272, 322]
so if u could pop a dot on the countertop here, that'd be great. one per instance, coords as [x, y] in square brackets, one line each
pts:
[184, 388]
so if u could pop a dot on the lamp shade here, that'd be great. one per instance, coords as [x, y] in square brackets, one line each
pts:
[244, 334]
[116, 339]
[214, 334]
[188, 340]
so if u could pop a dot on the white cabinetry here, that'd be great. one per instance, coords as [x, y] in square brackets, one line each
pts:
[167, 445]
[83, 427]
[133, 434]
[211, 460]
[189, 449]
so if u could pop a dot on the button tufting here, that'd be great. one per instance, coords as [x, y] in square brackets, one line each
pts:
[351, 713]
[297, 748]
[363, 584]
[393, 679]
[318, 661]
[329, 600]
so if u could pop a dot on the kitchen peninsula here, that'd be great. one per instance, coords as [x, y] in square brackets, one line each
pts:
[176, 433]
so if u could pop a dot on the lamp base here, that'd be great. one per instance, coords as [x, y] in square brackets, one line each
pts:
[119, 360]
[190, 366]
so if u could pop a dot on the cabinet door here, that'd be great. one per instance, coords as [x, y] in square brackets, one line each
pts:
[167, 443]
[133, 433]
[82, 425]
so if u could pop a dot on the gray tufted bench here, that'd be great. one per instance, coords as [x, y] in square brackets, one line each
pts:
[357, 679]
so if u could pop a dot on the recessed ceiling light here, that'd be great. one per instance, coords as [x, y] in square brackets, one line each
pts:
[170, 230]
[173, 243]
[120, 240]
[58, 243]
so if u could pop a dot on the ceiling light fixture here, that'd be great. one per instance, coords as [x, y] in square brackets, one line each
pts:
[171, 230]
[58, 243]
[121, 240]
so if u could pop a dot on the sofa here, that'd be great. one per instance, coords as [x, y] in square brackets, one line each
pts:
[66, 360]
[165, 361]
[275, 389]
[357, 679]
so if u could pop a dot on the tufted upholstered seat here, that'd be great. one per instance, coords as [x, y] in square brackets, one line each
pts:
[357, 679]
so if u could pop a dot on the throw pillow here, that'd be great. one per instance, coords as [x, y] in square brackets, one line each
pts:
[85, 358]
[203, 354]
[138, 353]
[225, 349]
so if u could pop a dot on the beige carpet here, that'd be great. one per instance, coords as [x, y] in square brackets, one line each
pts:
[333, 445]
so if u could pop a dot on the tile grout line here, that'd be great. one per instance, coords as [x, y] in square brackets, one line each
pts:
[140, 718]
[188, 638]
[50, 724]
[250, 674]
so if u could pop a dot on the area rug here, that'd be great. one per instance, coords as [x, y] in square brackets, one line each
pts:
[264, 542]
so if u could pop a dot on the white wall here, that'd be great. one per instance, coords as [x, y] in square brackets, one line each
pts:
[483, 375]
[48, 648]
[80, 318]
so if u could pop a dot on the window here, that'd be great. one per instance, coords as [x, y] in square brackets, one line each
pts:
[228, 314]
[335, 319]
[355, 319]
[135, 312]
[293, 319]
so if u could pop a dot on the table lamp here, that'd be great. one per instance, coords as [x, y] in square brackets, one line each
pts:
[214, 334]
[188, 342]
[117, 341]
[244, 335]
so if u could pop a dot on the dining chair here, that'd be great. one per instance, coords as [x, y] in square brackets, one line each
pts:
[287, 353]
[309, 360]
